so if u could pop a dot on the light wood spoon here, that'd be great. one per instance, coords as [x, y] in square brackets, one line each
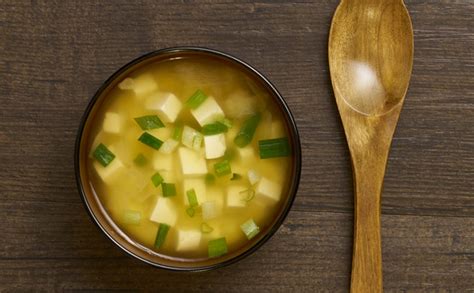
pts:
[370, 60]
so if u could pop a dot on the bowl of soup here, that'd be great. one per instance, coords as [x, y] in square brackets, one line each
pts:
[188, 159]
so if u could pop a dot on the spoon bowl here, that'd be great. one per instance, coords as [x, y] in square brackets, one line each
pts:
[370, 61]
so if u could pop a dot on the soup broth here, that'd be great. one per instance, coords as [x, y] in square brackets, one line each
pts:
[190, 157]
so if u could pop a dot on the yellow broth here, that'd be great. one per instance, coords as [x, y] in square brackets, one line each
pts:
[130, 188]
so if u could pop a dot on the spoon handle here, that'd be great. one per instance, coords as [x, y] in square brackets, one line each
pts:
[369, 170]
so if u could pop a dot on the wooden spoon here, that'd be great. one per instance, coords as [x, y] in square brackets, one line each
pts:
[370, 60]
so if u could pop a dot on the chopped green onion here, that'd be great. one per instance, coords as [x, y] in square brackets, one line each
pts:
[197, 140]
[272, 148]
[157, 179]
[150, 140]
[178, 131]
[103, 155]
[169, 189]
[250, 229]
[196, 99]
[149, 122]
[217, 247]
[222, 168]
[190, 211]
[140, 160]
[161, 234]
[209, 179]
[229, 154]
[226, 122]
[248, 194]
[131, 217]
[205, 228]
[192, 198]
[214, 128]
[245, 135]
[236, 176]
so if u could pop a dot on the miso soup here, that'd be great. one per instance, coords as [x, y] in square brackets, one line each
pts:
[191, 157]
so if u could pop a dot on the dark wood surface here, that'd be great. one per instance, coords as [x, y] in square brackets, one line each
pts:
[55, 54]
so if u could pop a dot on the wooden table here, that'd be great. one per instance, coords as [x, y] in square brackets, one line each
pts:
[55, 54]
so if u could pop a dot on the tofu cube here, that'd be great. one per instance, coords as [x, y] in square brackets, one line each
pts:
[112, 123]
[162, 161]
[253, 176]
[192, 162]
[164, 212]
[162, 133]
[268, 189]
[108, 174]
[188, 240]
[246, 153]
[144, 84]
[199, 187]
[169, 146]
[209, 210]
[167, 105]
[215, 146]
[235, 199]
[191, 138]
[209, 111]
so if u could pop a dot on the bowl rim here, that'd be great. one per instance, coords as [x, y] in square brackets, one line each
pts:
[276, 96]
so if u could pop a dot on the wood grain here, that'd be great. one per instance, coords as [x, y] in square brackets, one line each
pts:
[55, 54]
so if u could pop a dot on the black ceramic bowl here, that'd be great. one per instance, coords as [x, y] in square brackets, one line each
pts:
[107, 225]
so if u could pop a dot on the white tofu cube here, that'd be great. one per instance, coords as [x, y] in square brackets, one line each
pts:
[164, 212]
[191, 138]
[268, 189]
[192, 162]
[215, 146]
[246, 153]
[167, 105]
[253, 176]
[209, 111]
[162, 161]
[144, 84]
[107, 174]
[127, 84]
[168, 146]
[112, 123]
[235, 197]
[209, 210]
[188, 240]
[199, 187]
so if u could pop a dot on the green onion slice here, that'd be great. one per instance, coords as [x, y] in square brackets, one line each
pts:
[245, 135]
[217, 247]
[273, 148]
[247, 195]
[209, 179]
[196, 99]
[161, 234]
[178, 131]
[250, 229]
[190, 211]
[150, 140]
[214, 128]
[192, 198]
[149, 122]
[222, 168]
[205, 228]
[236, 176]
[103, 155]
[140, 160]
[169, 189]
[157, 179]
